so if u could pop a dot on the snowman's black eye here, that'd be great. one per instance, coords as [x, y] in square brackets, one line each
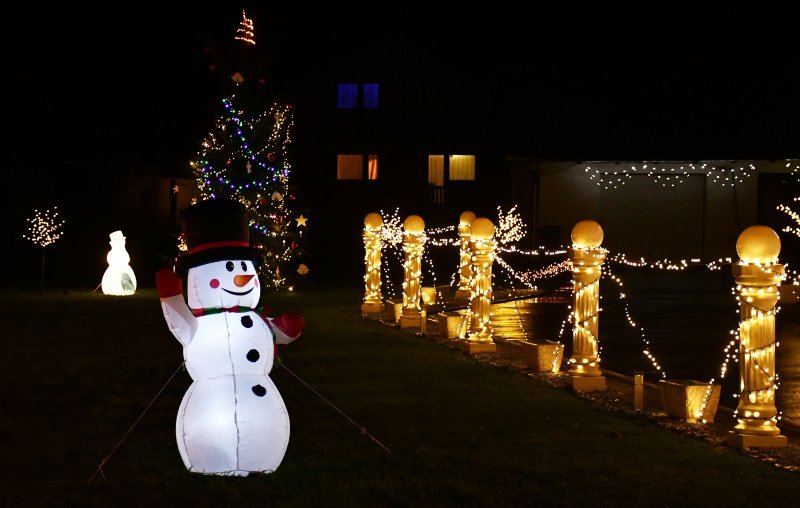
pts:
[244, 266]
[229, 266]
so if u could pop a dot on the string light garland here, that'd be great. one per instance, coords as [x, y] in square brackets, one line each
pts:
[667, 175]
[464, 254]
[795, 230]
[632, 323]
[793, 166]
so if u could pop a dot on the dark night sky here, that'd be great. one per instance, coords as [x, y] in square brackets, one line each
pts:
[96, 88]
[132, 84]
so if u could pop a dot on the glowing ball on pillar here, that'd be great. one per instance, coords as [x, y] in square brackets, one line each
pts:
[587, 234]
[466, 218]
[759, 245]
[118, 278]
[482, 229]
[414, 224]
[232, 420]
[373, 220]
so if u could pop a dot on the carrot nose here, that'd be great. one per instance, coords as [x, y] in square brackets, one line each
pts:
[241, 280]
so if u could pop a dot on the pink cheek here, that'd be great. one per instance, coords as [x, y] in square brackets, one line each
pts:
[214, 283]
[256, 283]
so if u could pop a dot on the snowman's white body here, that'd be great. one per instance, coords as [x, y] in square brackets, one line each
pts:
[232, 420]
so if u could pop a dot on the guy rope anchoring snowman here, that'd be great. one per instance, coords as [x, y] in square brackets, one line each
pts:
[232, 420]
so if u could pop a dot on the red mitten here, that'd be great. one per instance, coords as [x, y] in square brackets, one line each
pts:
[168, 283]
[291, 324]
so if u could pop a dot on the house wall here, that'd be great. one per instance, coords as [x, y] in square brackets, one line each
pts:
[697, 218]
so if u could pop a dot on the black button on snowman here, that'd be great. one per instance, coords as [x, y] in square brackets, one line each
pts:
[232, 420]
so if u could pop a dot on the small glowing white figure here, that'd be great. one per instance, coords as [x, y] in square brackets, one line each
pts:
[119, 278]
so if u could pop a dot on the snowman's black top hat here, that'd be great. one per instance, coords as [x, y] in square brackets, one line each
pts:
[215, 230]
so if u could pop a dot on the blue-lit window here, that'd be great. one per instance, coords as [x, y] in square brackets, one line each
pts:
[370, 94]
[348, 96]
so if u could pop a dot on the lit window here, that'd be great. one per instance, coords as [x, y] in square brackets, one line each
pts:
[348, 96]
[462, 167]
[370, 94]
[372, 167]
[436, 170]
[349, 167]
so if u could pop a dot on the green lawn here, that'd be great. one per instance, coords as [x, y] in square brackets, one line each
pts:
[79, 368]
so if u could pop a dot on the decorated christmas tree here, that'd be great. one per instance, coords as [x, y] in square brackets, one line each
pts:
[246, 158]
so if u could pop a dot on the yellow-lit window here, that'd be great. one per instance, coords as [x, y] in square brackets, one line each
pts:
[462, 167]
[349, 167]
[372, 166]
[436, 170]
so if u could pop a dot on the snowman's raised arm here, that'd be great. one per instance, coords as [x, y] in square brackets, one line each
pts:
[287, 327]
[179, 317]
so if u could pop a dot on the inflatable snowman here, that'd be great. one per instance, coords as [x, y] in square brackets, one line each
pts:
[232, 420]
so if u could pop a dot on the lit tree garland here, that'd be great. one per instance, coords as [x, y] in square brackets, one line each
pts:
[510, 226]
[246, 32]
[44, 228]
[245, 158]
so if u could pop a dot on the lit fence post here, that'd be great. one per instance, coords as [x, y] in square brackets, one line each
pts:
[373, 299]
[482, 249]
[587, 259]
[465, 257]
[413, 243]
[757, 275]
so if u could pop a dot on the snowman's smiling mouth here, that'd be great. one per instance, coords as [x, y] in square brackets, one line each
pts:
[237, 293]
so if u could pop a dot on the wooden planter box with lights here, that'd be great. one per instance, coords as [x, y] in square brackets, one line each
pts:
[684, 398]
[543, 355]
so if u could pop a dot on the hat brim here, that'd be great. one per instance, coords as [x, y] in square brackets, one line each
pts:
[187, 261]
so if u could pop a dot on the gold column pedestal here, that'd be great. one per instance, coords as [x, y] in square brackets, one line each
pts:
[482, 247]
[413, 244]
[373, 299]
[584, 373]
[756, 413]
[465, 256]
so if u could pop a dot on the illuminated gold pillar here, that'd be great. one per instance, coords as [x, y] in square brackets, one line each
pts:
[587, 259]
[465, 257]
[373, 299]
[413, 243]
[482, 249]
[757, 275]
